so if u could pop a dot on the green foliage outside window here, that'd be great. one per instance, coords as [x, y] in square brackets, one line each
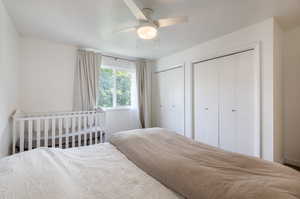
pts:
[123, 90]
[106, 88]
[114, 88]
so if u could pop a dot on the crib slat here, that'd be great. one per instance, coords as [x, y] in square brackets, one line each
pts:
[21, 136]
[85, 129]
[60, 128]
[73, 130]
[90, 124]
[101, 127]
[53, 132]
[67, 132]
[100, 132]
[96, 128]
[14, 136]
[79, 130]
[38, 133]
[30, 134]
[46, 128]
[96, 137]
[93, 127]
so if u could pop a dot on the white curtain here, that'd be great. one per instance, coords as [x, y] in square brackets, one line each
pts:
[86, 81]
[143, 79]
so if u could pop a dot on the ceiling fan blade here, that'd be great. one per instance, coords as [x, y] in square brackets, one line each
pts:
[171, 21]
[136, 11]
[128, 29]
[125, 30]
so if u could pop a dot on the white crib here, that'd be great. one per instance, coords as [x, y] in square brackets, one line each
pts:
[57, 129]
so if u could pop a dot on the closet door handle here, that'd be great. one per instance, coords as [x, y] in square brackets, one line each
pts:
[233, 110]
[206, 109]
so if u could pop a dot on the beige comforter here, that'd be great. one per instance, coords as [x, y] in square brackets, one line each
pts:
[198, 171]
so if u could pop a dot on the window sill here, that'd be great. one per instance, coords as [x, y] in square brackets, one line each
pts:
[116, 109]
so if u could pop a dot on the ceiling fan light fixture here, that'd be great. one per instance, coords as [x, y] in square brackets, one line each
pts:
[147, 32]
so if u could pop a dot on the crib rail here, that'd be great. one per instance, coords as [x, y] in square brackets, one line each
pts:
[59, 129]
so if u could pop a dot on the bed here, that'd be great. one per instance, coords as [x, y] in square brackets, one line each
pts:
[144, 164]
[92, 172]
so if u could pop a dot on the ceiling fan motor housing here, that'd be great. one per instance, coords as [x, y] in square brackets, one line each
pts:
[148, 12]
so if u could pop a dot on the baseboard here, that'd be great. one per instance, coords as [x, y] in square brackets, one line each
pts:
[281, 161]
[292, 162]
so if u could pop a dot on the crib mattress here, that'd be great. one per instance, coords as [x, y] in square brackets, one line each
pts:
[92, 172]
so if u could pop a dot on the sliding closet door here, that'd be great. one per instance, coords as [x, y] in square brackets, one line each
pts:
[166, 115]
[175, 86]
[170, 99]
[236, 103]
[161, 100]
[227, 104]
[245, 103]
[206, 102]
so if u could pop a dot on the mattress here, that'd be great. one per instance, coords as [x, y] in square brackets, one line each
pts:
[92, 172]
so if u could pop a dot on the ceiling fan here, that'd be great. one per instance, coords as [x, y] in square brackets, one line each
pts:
[148, 28]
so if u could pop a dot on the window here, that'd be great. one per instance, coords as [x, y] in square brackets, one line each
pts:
[115, 87]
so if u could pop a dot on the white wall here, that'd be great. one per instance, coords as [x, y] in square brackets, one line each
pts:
[278, 93]
[9, 52]
[263, 33]
[46, 82]
[292, 96]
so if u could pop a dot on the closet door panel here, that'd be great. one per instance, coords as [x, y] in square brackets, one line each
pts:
[161, 100]
[164, 106]
[206, 102]
[237, 103]
[176, 103]
[165, 102]
[245, 103]
[227, 103]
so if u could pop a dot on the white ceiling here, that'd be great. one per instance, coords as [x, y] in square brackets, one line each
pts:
[90, 23]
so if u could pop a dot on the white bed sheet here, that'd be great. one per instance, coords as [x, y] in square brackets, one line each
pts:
[93, 172]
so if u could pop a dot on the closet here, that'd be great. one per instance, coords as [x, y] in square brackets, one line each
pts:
[169, 99]
[225, 103]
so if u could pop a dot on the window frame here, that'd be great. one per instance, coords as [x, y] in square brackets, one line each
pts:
[115, 107]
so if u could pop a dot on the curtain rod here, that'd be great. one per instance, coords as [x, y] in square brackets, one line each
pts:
[116, 58]
[109, 56]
